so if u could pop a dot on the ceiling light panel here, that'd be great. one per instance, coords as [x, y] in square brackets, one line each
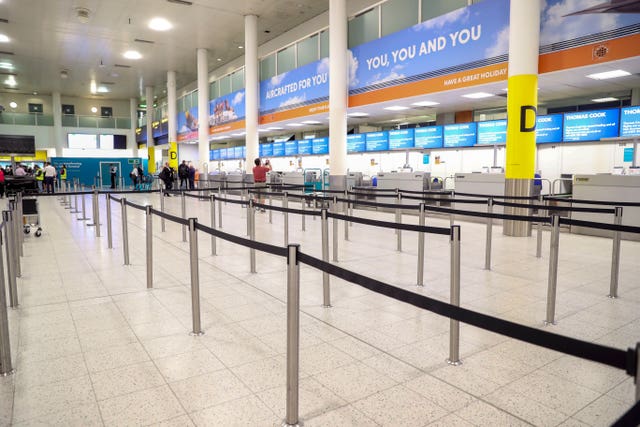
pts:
[425, 103]
[605, 99]
[609, 75]
[478, 95]
[132, 54]
[396, 108]
[4, 38]
[160, 24]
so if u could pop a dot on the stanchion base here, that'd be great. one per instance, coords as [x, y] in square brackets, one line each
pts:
[419, 286]
[82, 219]
[612, 296]
[91, 225]
[326, 306]
[196, 334]
[453, 362]
[286, 424]
[547, 323]
[6, 374]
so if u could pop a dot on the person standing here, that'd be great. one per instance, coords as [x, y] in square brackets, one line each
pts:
[183, 174]
[49, 177]
[20, 171]
[39, 174]
[1, 184]
[134, 176]
[166, 175]
[192, 176]
[114, 175]
[63, 177]
[260, 179]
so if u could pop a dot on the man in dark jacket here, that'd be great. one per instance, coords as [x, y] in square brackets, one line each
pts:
[167, 177]
[192, 176]
[183, 174]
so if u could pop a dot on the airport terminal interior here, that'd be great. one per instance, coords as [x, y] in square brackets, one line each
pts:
[411, 257]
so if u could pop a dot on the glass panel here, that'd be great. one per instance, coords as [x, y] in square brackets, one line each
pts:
[363, 28]
[398, 15]
[225, 85]
[213, 90]
[286, 59]
[180, 104]
[324, 44]
[194, 99]
[87, 121]
[433, 8]
[268, 67]
[25, 119]
[123, 123]
[237, 80]
[45, 120]
[107, 122]
[308, 50]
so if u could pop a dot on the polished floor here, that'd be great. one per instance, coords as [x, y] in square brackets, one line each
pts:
[92, 346]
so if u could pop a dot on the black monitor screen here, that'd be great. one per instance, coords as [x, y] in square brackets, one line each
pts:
[119, 142]
[18, 144]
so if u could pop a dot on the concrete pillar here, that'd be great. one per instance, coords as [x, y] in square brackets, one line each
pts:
[133, 117]
[151, 148]
[172, 119]
[203, 110]
[252, 82]
[58, 136]
[522, 102]
[338, 93]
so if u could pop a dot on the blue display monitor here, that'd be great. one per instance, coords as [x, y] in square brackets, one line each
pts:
[214, 155]
[460, 135]
[492, 132]
[401, 139]
[244, 151]
[238, 152]
[591, 125]
[223, 154]
[304, 147]
[320, 145]
[278, 149]
[266, 150]
[428, 137]
[549, 129]
[630, 121]
[291, 148]
[356, 143]
[377, 141]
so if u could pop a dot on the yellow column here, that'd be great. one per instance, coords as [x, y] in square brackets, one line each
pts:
[173, 155]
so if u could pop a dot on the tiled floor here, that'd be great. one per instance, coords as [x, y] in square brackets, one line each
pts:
[93, 346]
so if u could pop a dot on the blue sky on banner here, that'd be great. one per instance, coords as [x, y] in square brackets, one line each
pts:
[468, 34]
[188, 121]
[227, 108]
[295, 87]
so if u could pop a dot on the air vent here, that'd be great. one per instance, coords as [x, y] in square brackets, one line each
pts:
[143, 41]
[182, 2]
[122, 66]
[107, 83]
[4, 21]
[4, 52]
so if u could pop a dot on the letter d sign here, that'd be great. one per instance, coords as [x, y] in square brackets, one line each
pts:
[528, 121]
[522, 99]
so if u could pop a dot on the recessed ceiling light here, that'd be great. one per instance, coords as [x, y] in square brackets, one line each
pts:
[94, 109]
[605, 99]
[357, 114]
[240, 47]
[92, 87]
[478, 95]
[609, 74]
[4, 38]
[13, 104]
[219, 59]
[312, 122]
[294, 125]
[103, 89]
[425, 103]
[132, 54]
[6, 65]
[275, 128]
[11, 81]
[263, 130]
[396, 108]
[160, 24]
[35, 92]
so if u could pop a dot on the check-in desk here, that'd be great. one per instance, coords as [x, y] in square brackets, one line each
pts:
[479, 183]
[407, 181]
[293, 178]
[613, 188]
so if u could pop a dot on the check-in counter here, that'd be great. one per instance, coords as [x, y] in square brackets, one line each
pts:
[614, 188]
[293, 178]
[479, 183]
[407, 181]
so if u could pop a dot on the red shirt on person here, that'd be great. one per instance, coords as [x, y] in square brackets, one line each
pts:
[260, 173]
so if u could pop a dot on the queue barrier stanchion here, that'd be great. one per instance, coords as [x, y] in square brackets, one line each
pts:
[398, 221]
[285, 204]
[637, 372]
[251, 215]
[220, 209]
[162, 194]
[125, 231]
[149, 238]
[212, 199]
[6, 368]
[488, 239]
[553, 270]
[615, 255]
[270, 211]
[539, 228]
[304, 214]
[326, 287]
[293, 336]
[454, 325]
[96, 217]
[75, 198]
[16, 243]
[109, 224]
[420, 270]
[84, 208]
[93, 208]
[19, 225]
[7, 217]
[195, 278]
[334, 208]
[183, 203]
[345, 211]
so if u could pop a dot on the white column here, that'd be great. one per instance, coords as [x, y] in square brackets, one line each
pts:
[338, 90]
[151, 150]
[171, 104]
[251, 89]
[133, 116]
[203, 110]
[57, 123]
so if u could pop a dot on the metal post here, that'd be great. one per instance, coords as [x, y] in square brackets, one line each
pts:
[11, 264]
[345, 210]
[212, 198]
[125, 232]
[96, 215]
[219, 211]
[334, 208]
[93, 208]
[270, 211]
[351, 211]
[84, 209]
[162, 196]
[6, 368]
[195, 277]
[75, 198]
[637, 371]
[184, 215]
[420, 279]
[304, 215]
[326, 289]
[399, 221]
[251, 214]
[487, 249]
[285, 204]
[109, 226]
[539, 228]
[615, 256]
[17, 219]
[553, 270]
[454, 325]
[293, 335]
[149, 230]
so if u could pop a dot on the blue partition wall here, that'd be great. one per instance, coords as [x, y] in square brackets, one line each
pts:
[86, 169]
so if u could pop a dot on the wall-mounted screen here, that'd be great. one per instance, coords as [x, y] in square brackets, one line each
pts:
[223, 154]
[377, 141]
[320, 145]
[428, 137]
[549, 129]
[591, 125]
[356, 143]
[266, 150]
[401, 138]
[120, 142]
[214, 155]
[493, 132]
[82, 141]
[278, 149]
[106, 142]
[304, 147]
[460, 135]
[238, 152]
[18, 144]
[291, 148]
[630, 121]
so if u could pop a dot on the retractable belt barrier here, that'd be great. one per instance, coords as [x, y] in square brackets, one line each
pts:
[556, 208]
[591, 202]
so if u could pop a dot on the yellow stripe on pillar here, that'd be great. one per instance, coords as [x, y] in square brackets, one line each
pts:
[151, 152]
[173, 155]
[522, 102]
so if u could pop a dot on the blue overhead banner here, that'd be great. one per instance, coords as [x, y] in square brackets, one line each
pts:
[591, 125]
[630, 121]
[227, 108]
[356, 143]
[377, 141]
[428, 137]
[401, 138]
[320, 146]
[460, 135]
[549, 128]
[304, 85]
[473, 33]
[493, 132]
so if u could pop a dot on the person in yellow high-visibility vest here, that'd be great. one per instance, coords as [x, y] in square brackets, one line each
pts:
[63, 178]
[39, 174]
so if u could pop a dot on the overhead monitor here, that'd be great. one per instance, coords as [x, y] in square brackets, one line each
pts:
[630, 121]
[401, 139]
[291, 148]
[460, 135]
[355, 143]
[549, 129]
[428, 137]
[320, 145]
[591, 125]
[377, 141]
[18, 144]
[266, 150]
[278, 149]
[304, 147]
[492, 132]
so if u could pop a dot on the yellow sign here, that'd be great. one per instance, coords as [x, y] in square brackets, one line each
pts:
[152, 159]
[522, 101]
[173, 155]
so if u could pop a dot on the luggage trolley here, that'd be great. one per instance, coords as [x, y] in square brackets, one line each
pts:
[31, 216]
